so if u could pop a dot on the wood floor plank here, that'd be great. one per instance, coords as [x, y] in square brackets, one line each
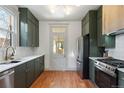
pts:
[61, 79]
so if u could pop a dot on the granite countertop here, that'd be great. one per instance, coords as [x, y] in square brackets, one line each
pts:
[4, 67]
[94, 59]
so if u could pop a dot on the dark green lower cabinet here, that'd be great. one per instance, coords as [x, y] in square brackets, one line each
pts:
[20, 76]
[41, 64]
[120, 79]
[28, 29]
[91, 71]
[30, 74]
[37, 66]
[27, 73]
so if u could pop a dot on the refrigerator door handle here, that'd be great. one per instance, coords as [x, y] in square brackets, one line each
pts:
[78, 62]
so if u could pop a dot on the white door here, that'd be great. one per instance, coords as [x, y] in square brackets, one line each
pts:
[58, 47]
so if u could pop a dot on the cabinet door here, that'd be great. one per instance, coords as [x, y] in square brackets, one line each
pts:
[109, 41]
[22, 28]
[20, 76]
[31, 16]
[100, 39]
[37, 67]
[34, 33]
[31, 33]
[121, 79]
[28, 29]
[92, 71]
[41, 64]
[103, 39]
[87, 28]
[30, 73]
[111, 18]
[121, 16]
[37, 34]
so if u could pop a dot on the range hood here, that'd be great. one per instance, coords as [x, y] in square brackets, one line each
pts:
[118, 32]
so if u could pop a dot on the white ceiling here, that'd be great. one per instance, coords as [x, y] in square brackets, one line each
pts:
[43, 12]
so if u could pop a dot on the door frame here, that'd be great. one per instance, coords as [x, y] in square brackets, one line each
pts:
[66, 38]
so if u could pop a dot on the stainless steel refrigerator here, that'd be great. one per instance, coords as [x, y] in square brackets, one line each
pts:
[83, 57]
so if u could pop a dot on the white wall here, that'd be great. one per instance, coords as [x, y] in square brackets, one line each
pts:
[118, 51]
[74, 31]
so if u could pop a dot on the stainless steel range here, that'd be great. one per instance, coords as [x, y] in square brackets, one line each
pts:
[106, 72]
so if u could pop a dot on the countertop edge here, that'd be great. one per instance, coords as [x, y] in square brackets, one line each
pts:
[121, 69]
[23, 60]
[94, 58]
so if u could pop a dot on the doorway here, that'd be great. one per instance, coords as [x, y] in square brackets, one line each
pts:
[58, 47]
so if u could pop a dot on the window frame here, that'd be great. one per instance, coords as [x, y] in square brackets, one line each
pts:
[14, 11]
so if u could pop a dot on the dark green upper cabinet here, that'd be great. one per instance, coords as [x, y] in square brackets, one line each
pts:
[104, 40]
[28, 29]
[89, 27]
[85, 25]
[37, 33]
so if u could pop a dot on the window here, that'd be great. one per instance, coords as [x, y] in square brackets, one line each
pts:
[7, 27]
[58, 40]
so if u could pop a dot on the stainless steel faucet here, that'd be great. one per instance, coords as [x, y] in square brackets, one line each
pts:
[6, 55]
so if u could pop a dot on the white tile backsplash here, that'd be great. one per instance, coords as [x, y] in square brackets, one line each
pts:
[24, 51]
[20, 52]
[118, 51]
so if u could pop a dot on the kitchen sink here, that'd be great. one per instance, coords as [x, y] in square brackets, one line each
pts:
[15, 61]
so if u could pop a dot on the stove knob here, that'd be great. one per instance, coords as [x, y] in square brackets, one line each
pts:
[113, 69]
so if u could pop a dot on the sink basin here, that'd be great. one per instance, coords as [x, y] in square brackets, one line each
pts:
[15, 61]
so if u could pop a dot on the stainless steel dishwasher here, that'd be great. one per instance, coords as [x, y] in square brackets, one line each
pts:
[7, 79]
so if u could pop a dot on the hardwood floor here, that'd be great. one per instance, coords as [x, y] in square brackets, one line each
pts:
[59, 79]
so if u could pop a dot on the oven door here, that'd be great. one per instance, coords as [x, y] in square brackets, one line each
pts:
[104, 80]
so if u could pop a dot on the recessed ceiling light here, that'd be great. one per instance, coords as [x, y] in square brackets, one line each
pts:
[61, 9]
[52, 8]
[67, 10]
